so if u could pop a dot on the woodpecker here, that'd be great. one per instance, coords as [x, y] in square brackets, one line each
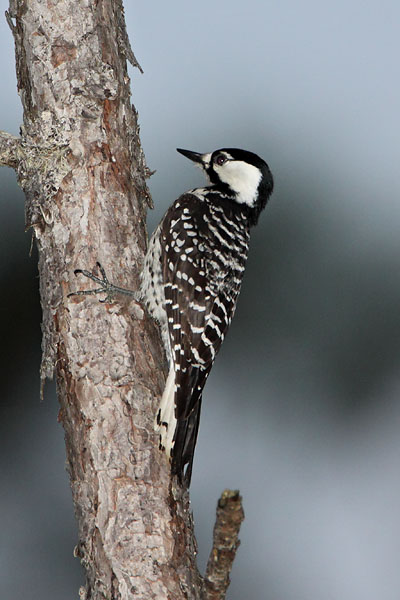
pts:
[190, 284]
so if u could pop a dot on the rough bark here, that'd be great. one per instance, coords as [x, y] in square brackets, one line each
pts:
[81, 166]
[225, 544]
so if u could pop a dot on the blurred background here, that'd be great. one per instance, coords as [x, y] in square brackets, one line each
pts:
[302, 410]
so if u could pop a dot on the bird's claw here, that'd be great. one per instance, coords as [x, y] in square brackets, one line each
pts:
[105, 287]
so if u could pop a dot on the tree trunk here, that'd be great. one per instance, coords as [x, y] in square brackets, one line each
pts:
[81, 166]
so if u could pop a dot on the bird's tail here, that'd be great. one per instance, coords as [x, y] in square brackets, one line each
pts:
[184, 444]
[177, 436]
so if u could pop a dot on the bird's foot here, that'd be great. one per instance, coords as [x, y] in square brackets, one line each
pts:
[105, 286]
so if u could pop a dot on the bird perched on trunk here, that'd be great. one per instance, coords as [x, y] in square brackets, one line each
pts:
[191, 281]
[190, 284]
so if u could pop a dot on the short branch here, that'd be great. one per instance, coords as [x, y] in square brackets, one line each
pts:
[225, 543]
[10, 147]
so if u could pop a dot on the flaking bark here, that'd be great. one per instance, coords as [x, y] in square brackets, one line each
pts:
[82, 168]
[225, 544]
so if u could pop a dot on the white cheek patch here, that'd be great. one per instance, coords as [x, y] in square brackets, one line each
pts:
[242, 178]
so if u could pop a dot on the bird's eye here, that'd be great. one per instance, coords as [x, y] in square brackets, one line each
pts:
[220, 159]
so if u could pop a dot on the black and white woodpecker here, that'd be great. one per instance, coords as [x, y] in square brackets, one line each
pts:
[190, 284]
[191, 281]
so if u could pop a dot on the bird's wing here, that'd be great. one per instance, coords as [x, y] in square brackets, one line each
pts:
[200, 298]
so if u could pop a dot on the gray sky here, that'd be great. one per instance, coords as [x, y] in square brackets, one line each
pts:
[302, 410]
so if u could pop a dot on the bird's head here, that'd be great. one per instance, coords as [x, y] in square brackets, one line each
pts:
[243, 175]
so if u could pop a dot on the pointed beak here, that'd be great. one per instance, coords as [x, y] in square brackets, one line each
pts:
[194, 156]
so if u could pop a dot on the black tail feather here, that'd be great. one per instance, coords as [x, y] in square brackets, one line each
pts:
[184, 444]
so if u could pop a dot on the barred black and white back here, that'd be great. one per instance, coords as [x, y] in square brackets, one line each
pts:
[191, 281]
